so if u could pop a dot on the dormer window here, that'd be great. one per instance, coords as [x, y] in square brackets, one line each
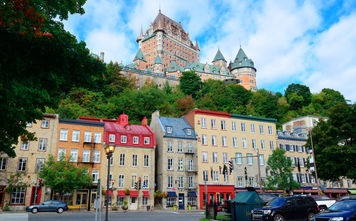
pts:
[123, 139]
[112, 138]
[189, 132]
[169, 130]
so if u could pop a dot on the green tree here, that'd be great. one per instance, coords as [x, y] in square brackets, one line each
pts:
[264, 104]
[280, 169]
[298, 95]
[190, 83]
[64, 176]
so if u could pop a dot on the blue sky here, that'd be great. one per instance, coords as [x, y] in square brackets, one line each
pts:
[290, 41]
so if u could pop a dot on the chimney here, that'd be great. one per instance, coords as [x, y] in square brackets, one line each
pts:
[102, 56]
[144, 120]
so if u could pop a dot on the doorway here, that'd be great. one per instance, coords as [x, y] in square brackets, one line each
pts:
[35, 195]
[181, 201]
[82, 198]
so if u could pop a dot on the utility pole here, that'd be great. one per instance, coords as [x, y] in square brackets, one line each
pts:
[259, 170]
[316, 173]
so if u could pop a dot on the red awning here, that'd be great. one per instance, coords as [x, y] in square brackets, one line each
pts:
[110, 193]
[133, 193]
[335, 191]
[310, 191]
[274, 191]
[121, 193]
[297, 191]
[146, 193]
[242, 190]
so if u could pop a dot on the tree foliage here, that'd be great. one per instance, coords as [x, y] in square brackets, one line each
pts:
[280, 168]
[298, 96]
[64, 176]
[190, 83]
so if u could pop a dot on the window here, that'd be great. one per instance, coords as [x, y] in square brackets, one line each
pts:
[180, 182]
[213, 125]
[123, 139]
[205, 175]
[252, 128]
[170, 164]
[190, 182]
[244, 143]
[75, 135]
[223, 126]
[45, 124]
[96, 156]
[146, 140]
[97, 137]
[122, 159]
[111, 161]
[22, 164]
[262, 131]
[169, 146]
[215, 176]
[254, 146]
[144, 201]
[121, 181]
[190, 165]
[189, 147]
[225, 158]
[3, 162]
[238, 157]
[39, 164]
[169, 130]
[215, 157]
[180, 165]
[203, 123]
[204, 140]
[87, 136]
[226, 177]
[189, 132]
[240, 181]
[223, 141]
[243, 127]
[24, 145]
[271, 144]
[63, 135]
[251, 181]
[145, 182]
[233, 126]
[18, 196]
[170, 182]
[262, 160]
[263, 145]
[180, 147]
[111, 137]
[146, 161]
[234, 141]
[135, 140]
[134, 160]
[95, 175]
[42, 144]
[249, 159]
[86, 155]
[29, 124]
[61, 153]
[205, 157]
[74, 155]
[270, 130]
[213, 140]
[133, 181]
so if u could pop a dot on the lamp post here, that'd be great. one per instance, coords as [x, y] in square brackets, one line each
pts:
[109, 152]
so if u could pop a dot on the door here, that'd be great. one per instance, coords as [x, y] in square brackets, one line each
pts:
[35, 195]
[211, 201]
[1, 199]
[181, 201]
[82, 198]
[290, 209]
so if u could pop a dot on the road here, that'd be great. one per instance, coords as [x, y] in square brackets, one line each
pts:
[128, 216]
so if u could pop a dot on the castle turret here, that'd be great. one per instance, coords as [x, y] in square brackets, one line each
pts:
[157, 67]
[219, 59]
[140, 60]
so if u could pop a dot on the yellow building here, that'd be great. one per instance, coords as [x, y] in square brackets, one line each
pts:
[30, 157]
[224, 137]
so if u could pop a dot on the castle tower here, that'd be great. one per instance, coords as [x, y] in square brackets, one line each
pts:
[219, 59]
[157, 67]
[243, 69]
[140, 60]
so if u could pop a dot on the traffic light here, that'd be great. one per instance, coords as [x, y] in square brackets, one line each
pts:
[231, 166]
[139, 183]
[136, 186]
[40, 182]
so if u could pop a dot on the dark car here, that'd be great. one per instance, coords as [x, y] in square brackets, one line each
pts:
[340, 211]
[349, 197]
[287, 208]
[48, 206]
[267, 197]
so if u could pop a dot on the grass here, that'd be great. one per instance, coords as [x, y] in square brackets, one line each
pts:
[217, 218]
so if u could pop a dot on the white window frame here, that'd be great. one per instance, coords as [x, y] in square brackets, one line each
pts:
[243, 127]
[86, 156]
[180, 165]
[145, 184]
[169, 130]
[3, 163]
[190, 182]
[95, 175]
[75, 135]
[146, 160]
[204, 140]
[254, 144]
[271, 144]
[96, 156]
[45, 124]
[223, 125]
[22, 164]
[263, 144]
[169, 146]
[262, 160]
[170, 164]
[169, 182]
[74, 155]
[87, 136]
[225, 159]
[63, 135]
[135, 140]
[42, 144]
[121, 181]
[180, 182]
[123, 139]
[189, 147]
[213, 140]
[97, 137]
[180, 147]
[238, 158]
[252, 127]
[215, 175]
[39, 164]
[205, 175]
[61, 152]
[234, 142]
[240, 181]
[146, 140]
[249, 159]
[122, 159]
[223, 141]
[134, 160]
[190, 165]
[25, 146]
[215, 157]
[111, 138]
[213, 124]
[233, 126]
[203, 123]
[270, 130]
[244, 143]
[262, 129]
[18, 196]
[205, 157]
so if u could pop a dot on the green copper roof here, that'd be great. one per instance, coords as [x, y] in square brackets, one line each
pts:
[264, 119]
[139, 55]
[213, 69]
[158, 60]
[173, 67]
[219, 56]
[242, 61]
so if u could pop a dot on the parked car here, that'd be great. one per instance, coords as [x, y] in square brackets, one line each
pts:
[323, 202]
[349, 197]
[340, 211]
[48, 206]
[266, 197]
[287, 208]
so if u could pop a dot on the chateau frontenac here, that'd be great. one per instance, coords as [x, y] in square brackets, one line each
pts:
[165, 51]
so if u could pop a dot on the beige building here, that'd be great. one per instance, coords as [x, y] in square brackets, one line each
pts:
[30, 157]
[176, 161]
[224, 137]
[302, 124]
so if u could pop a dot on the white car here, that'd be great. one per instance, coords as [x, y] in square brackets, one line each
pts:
[323, 202]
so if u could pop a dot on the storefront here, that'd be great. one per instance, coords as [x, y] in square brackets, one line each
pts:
[335, 193]
[216, 193]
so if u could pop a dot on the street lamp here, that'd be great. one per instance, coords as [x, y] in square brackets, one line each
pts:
[109, 152]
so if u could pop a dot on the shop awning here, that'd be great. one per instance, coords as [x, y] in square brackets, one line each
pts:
[335, 191]
[172, 194]
[352, 191]
[133, 193]
[298, 191]
[146, 193]
[192, 194]
[110, 192]
[121, 193]
[311, 191]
